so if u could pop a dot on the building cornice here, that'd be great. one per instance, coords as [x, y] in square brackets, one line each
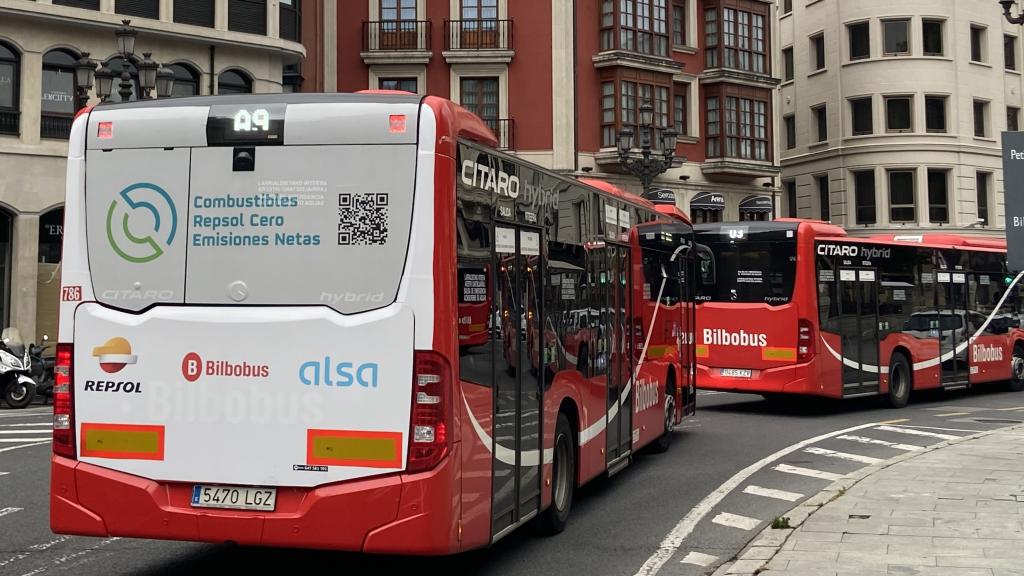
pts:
[624, 59]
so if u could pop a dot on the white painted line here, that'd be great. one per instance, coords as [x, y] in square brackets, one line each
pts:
[842, 455]
[4, 473]
[48, 440]
[772, 493]
[6, 511]
[25, 431]
[866, 440]
[914, 432]
[45, 424]
[709, 392]
[698, 559]
[674, 539]
[736, 521]
[16, 440]
[800, 471]
[944, 429]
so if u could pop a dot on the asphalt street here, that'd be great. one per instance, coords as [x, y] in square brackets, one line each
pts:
[734, 467]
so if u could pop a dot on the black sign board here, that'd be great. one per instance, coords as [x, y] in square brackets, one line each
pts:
[1013, 180]
[660, 196]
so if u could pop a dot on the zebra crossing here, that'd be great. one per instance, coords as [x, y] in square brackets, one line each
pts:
[25, 428]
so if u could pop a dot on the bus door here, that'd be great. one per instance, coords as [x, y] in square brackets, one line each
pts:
[517, 390]
[953, 327]
[617, 328]
[858, 310]
[688, 276]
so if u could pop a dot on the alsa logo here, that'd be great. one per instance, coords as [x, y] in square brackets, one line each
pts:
[114, 355]
[487, 178]
[983, 353]
[340, 375]
[193, 366]
[720, 337]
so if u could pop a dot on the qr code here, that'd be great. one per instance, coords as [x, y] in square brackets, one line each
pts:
[362, 219]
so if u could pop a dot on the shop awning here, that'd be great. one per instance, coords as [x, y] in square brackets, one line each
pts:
[708, 201]
[759, 204]
[660, 196]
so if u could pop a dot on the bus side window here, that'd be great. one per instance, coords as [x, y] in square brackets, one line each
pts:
[707, 265]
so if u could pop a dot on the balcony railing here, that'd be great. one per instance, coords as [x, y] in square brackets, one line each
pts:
[504, 130]
[58, 127]
[396, 35]
[478, 35]
[9, 122]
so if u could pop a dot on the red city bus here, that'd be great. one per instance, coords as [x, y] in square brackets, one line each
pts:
[796, 307]
[274, 362]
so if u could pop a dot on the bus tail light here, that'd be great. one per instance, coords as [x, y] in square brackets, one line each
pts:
[63, 403]
[430, 427]
[805, 341]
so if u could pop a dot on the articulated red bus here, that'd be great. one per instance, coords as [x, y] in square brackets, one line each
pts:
[438, 358]
[796, 307]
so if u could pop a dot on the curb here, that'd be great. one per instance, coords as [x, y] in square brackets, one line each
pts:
[760, 551]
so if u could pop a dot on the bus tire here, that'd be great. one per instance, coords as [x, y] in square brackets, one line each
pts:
[901, 380]
[1017, 369]
[663, 442]
[563, 479]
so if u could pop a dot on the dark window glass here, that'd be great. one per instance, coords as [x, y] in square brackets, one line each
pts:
[860, 41]
[10, 79]
[980, 108]
[901, 196]
[406, 84]
[932, 37]
[186, 80]
[790, 122]
[791, 198]
[759, 267]
[711, 38]
[897, 114]
[59, 83]
[862, 117]
[938, 196]
[233, 82]
[824, 198]
[787, 64]
[982, 192]
[864, 191]
[896, 35]
[1010, 52]
[1012, 119]
[821, 118]
[679, 23]
[977, 41]
[935, 113]
[818, 51]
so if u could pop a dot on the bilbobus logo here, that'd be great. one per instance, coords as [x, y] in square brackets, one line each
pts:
[193, 366]
[984, 353]
[720, 337]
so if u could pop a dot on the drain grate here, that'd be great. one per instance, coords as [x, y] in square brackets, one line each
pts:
[996, 421]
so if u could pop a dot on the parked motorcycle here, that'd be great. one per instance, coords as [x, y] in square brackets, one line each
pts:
[42, 370]
[16, 387]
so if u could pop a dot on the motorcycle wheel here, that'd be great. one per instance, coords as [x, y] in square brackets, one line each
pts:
[18, 394]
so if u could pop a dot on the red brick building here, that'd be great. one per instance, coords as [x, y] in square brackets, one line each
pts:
[559, 79]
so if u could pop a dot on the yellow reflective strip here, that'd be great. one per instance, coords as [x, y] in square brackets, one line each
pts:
[123, 441]
[702, 351]
[778, 353]
[364, 449]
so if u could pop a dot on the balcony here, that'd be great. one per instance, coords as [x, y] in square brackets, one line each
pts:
[9, 122]
[396, 42]
[56, 127]
[504, 130]
[482, 40]
[738, 169]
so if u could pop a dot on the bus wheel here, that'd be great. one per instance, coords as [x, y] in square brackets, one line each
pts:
[663, 442]
[1017, 369]
[563, 479]
[900, 381]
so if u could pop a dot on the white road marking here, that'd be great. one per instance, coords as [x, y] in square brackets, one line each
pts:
[944, 429]
[4, 473]
[736, 521]
[44, 424]
[801, 471]
[709, 392]
[698, 559]
[866, 440]
[842, 455]
[772, 493]
[674, 539]
[51, 543]
[6, 511]
[914, 432]
[25, 431]
[16, 440]
[48, 440]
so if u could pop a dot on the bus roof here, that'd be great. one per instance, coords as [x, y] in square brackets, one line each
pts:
[614, 190]
[937, 241]
[817, 227]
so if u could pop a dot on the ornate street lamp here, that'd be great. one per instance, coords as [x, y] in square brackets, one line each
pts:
[1008, 12]
[164, 82]
[147, 74]
[651, 162]
[126, 38]
[104, 82]
[85, 72]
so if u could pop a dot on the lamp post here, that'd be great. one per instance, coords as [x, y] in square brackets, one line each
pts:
[652, 161]
[151, 74]
[1008, 12]
[85, 72]
[770, 184]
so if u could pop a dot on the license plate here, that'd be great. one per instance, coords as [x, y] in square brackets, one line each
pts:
[234, 497]
[736, 373]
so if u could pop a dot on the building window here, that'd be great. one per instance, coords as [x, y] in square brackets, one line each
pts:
[787, 6]
[186, 80]
[711, 38]
[821, 121]
[679, 23]
[86, 4]
[824, 198]
[680, 100]
[247, 16]
[863, 122]
[706, 215]
[291, 78]
[982, 191]
[901, 196]
[1012, 119]
[608, 137]
[140, 8]
[194, 13]
[787, 64]
[10, 98]
[233, 82]
[931, 36]
[860, 40]
[790, 123]
[397, 10]
[403, 84]
[641, 26]
[743, 35]
[938, 196]
[290, 17]
[977, 43]
[980, 118]
[714, 128]
[791, 198]
[818, 52]
[480, 96]
[935, 113]
[1010, 52]
[58, 97]
[746, 128]
[864, 196]
[896, 37]
[898, 116]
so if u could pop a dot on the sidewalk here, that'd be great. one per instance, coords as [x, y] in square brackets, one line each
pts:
[955, 510]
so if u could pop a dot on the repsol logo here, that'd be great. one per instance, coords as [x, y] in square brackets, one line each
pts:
[645, 396]
[487, 178]
[112, 386]
[338, 375]
[983, 353]
[720, 337]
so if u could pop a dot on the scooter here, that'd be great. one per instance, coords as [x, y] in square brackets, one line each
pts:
[16, 387]
[42, 370]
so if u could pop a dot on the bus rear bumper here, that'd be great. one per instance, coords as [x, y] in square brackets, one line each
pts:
[371, 515]
[792, 379]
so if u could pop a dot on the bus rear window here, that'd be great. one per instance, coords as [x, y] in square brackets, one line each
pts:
[752, 267]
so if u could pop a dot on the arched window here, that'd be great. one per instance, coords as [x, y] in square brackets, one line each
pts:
[233, 82]
[186, 80]
[10, 76]
[59, 94]
[115, 65]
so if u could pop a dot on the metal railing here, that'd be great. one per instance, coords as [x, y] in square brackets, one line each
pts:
[395, 35]
[484, 34]
[10, 122]
[504, 130]
[57, 127]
